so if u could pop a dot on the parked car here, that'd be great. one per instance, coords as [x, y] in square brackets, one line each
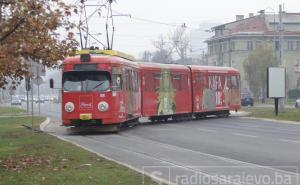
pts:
[247, 99]
[16, 102]
[41, 100]
[297, 104]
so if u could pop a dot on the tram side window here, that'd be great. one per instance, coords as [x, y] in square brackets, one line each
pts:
[234, 82]
[177, 82]
[157, 78]
[201, 82]
[134, 81]
[116, 82]
[149, 82]
[184, 82]
[127, 80]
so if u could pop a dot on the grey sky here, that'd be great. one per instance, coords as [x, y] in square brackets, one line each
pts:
[134, 36]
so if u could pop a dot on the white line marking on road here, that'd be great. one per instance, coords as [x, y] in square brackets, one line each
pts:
[244, 135]
[206, 130]
[289, 141]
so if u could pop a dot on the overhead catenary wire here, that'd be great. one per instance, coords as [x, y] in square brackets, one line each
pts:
[89, 34]
[160, 22]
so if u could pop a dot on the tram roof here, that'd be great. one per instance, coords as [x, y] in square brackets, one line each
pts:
[149, 65]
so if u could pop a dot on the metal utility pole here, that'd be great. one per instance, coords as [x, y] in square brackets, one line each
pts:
[32, 113]
[1, 4]
[38, 85]
[27, 87]
[281, 63]
[280, 36]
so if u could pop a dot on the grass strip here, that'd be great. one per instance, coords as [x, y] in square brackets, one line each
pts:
[11, 110]
[28, 158]
[288, 114]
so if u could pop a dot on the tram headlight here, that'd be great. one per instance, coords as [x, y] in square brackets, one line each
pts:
[103, 106]
[69, 107]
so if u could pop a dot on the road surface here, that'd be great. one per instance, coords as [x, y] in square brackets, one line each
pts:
[208, 151]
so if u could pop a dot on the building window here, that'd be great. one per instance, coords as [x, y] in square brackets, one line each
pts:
[211, 50]
[298, 45]
[224, 47]
[258, 44]
[249, 45]
[277, 45]
[216, 49]
[297, 66]
[290, 45]
[232, 46]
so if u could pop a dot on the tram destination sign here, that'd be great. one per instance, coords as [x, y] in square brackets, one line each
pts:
[85, 67]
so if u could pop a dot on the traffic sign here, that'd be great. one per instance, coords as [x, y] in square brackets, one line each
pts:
[27, 84]
[36, 69]
[38, 80]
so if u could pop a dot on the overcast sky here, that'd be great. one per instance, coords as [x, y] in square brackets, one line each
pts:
[134, 35]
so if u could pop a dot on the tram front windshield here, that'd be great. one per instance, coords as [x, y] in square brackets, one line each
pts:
[86, 81]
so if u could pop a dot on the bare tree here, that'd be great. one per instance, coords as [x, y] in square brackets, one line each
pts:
[180, 41]
[146, 56]
[164, 50]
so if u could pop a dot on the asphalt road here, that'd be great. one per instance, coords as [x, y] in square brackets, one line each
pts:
[208, 151]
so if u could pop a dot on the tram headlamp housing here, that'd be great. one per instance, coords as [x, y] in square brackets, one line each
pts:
[69, 107]
[103, 106]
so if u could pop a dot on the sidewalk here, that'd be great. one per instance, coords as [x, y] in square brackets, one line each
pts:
[239, 114]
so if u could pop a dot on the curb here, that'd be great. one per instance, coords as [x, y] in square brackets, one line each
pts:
[273, 120]
[239, 114]
[46, 123]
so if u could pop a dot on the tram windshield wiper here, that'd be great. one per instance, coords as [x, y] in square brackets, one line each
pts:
[98, 85]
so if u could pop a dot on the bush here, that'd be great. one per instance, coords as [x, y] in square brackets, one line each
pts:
[294, 93]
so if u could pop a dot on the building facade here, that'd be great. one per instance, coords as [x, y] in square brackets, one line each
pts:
[234, 41]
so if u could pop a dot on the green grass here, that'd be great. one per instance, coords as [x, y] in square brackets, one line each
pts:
[271, 101]
[28, 158]
[11, 110]
[288, 114]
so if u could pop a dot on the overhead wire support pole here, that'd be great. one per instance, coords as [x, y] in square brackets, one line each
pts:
[106, 26]
[79, 26]
[87, 25]
[113, 26]
[282, 64]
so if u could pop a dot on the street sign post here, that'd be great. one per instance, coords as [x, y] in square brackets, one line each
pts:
[36, 70]
[27, 87]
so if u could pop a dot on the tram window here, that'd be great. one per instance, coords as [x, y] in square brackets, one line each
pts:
[149, 82]
[116, 82]
[157, 76]
[86, 81]
[135, 81]
[157, 79]
[234, 82]
[177, 80]
[127, 80]
[201, 81]
[184, 82]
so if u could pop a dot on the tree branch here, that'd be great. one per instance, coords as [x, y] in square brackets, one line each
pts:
[19, 23]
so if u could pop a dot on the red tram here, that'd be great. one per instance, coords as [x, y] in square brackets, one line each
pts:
[166, 91]
[100, 88]
[108, 88]
[216, 90]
